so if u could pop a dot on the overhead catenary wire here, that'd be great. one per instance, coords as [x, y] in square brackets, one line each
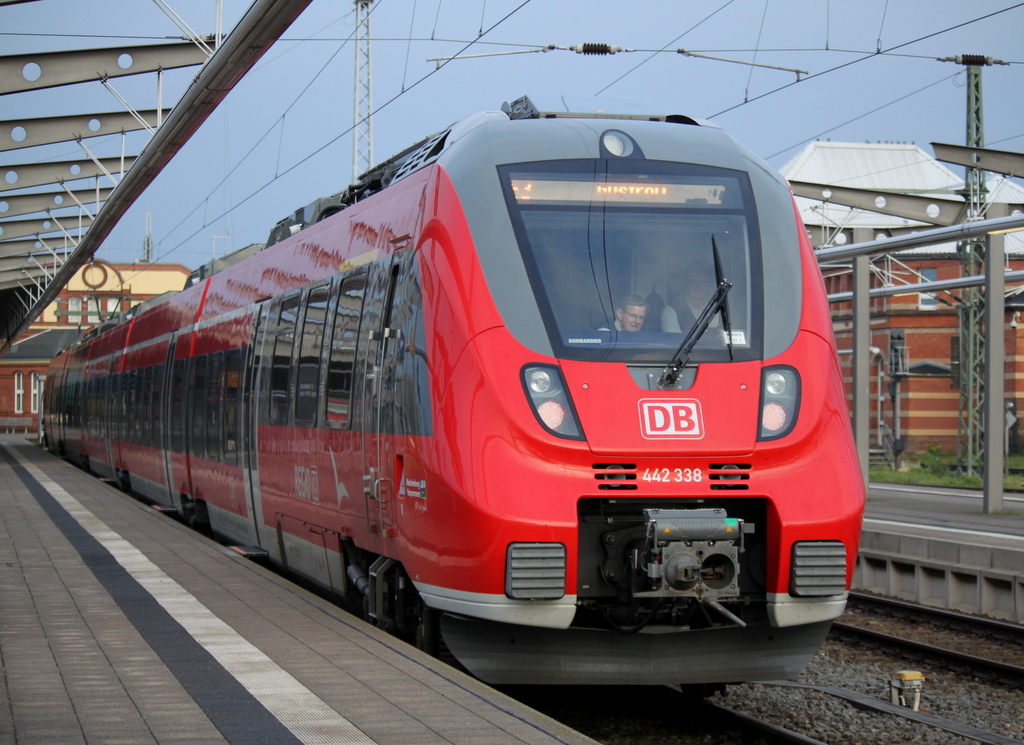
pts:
[753, 62]
[902, 98]
[671, 43]
[869, 56]
[591, 49]
[330, 142]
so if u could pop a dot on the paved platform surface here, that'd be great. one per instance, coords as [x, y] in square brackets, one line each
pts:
[940, 507]
[119, 625]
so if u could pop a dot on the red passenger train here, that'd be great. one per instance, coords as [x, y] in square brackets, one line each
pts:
[557, 389]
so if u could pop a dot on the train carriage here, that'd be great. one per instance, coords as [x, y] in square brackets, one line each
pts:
[558, 390]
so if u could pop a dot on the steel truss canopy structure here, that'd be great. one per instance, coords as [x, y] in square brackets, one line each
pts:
[56, 231]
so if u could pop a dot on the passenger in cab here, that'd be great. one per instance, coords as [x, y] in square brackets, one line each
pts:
[693, 289]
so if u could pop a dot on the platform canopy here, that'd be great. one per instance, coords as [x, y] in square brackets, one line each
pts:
[56, 214]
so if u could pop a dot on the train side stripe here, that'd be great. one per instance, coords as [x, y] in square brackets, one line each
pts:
[276, 700]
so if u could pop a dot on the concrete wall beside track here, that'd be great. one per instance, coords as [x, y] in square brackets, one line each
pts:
[964, 570]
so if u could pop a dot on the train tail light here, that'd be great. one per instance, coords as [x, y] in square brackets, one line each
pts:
[545, 388]
[780, 401]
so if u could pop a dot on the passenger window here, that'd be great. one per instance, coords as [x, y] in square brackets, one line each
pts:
[340, 367]
[115, 407]
[282, 360]
[178, 406]
[145, 401]
[197, 395]
[214, 387]
[308, 371]
[232, 400]
[156, 409]
[131, 409]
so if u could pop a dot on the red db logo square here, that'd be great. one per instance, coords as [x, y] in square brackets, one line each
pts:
[677, 419]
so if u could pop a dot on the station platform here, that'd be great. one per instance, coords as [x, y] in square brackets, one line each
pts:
[120, 625]
[937, 546]
[961, 509]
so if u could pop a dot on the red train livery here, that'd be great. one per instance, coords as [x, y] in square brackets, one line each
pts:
[557, 389]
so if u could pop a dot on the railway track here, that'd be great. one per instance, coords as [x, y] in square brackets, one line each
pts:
[760, 730]
[945, 630]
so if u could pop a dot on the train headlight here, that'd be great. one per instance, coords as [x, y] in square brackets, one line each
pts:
[550, 402]
[775, 383]
[780, 401]
[618, 144]
[539, 380]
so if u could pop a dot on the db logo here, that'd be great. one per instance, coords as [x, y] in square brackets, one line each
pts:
[673, 419]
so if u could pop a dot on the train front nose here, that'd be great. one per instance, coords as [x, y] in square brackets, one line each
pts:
[622, 417]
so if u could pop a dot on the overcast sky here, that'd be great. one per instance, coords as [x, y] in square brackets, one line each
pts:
[283, 137]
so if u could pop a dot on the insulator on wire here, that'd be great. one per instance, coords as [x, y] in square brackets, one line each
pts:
[973, 60]
[596, 49]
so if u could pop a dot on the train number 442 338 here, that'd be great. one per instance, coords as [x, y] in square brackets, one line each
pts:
[670, 475]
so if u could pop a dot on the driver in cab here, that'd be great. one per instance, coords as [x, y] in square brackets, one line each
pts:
[630, 312]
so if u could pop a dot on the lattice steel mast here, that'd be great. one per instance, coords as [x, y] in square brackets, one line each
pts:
[362, 130]
[971, 431]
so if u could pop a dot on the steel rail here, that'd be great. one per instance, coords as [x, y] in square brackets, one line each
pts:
[870, 703]
[978, 624]
[1007, 673]
[254, 34]
[755, 726]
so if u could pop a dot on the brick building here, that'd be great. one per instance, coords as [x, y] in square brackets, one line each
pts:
[97, 291]
[913, 335]
[22, 372]
[101, 289]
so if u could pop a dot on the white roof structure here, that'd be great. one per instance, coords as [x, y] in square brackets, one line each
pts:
[897, 168]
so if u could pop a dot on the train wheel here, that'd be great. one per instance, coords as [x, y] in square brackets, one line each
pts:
[200, 518]
[702, 690]
[428, 630]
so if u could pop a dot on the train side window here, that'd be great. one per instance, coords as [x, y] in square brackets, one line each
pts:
[307, 372]
[142, 404]
[156, 410]
[214, 398]
[131, 409]
[233, 364]
[197, 407]
[280, 364]
[112, 405]
[87, 406]
[177, 423]
[340, 367]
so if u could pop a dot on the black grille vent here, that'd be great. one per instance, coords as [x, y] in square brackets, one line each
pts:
[818, 569]
[615, 476]
[535, 571]
[424, 155]
[729, 476]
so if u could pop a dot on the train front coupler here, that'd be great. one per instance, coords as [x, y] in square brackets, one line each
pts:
[694, 554]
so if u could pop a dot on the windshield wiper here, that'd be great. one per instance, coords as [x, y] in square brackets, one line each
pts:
[717, 304]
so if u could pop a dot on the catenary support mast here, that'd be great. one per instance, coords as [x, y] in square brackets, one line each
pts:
[362, 131]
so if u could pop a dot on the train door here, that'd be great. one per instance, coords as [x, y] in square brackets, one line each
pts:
[111, 389]
[175, 412]
[378, 396]
[249, 436]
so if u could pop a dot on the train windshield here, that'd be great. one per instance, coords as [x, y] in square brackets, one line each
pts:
[620, 254]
